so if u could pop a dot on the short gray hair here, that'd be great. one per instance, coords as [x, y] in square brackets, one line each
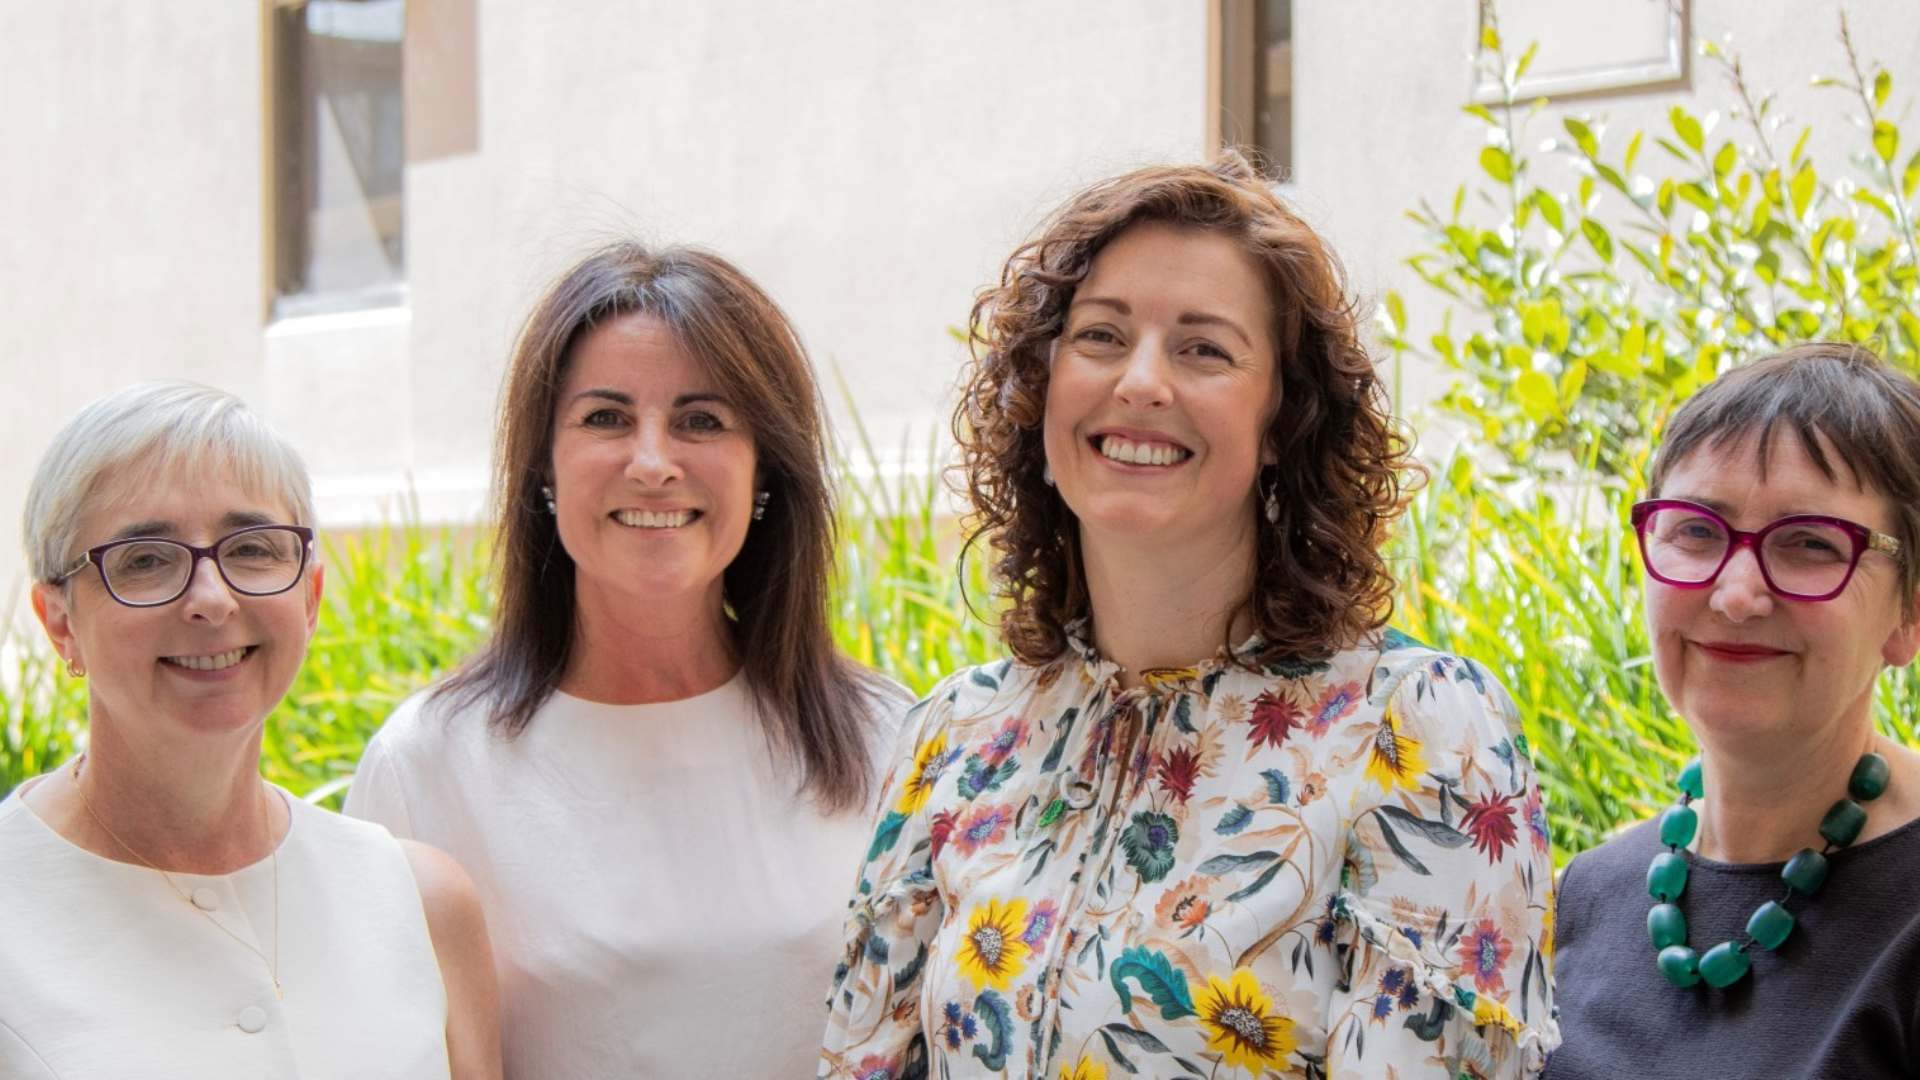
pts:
[146, 432]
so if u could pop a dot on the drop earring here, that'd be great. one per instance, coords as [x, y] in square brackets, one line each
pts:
[1273, 500]
[1046, 473]
[546, 493]
[76, 669]
[760, 501]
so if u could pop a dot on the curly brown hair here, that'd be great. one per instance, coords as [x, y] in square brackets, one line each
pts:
[1320, 583]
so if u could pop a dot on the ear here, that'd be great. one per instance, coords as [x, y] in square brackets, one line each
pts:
[55, 612]
[316, 582]
[1901, 645]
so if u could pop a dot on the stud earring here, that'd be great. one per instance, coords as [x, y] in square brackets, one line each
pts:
[760, 501]
[76, 669]
[547, 494]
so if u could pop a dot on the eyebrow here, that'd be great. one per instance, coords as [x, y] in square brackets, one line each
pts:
[1187, 318]
[1726, 509]
[603, 393]
[160, 527]
[621, 397]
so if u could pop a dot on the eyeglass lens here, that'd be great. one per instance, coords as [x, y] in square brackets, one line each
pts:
[154, 571]
[1807, 558]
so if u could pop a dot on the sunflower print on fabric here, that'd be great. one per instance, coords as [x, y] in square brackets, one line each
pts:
[1322, 869]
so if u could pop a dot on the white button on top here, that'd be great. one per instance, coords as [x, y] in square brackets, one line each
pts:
[253, 1019]
[206, 899]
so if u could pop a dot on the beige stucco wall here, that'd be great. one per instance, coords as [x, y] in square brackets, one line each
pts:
[870, 162]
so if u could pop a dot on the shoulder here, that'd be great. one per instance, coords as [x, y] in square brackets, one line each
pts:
[1622, 857]
[1441, 689]
[447, 892]
[423, 725]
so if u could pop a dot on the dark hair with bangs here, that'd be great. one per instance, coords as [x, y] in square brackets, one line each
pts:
[1827, 394]
[1320, 583]
[815, 704]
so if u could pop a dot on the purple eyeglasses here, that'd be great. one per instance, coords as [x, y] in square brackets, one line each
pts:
[1801, 557]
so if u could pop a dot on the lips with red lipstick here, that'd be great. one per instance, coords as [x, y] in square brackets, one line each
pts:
[1739, 652]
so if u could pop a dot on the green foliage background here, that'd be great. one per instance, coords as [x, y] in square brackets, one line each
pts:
[1577, 315]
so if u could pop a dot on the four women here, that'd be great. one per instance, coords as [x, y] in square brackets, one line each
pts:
[1209, 818]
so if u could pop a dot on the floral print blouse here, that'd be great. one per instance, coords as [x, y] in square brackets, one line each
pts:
[1331, 869]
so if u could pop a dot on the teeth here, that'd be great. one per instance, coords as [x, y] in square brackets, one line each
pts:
[653, 519]
[209, 663]
[1141, 453]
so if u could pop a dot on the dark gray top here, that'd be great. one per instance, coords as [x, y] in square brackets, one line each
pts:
[1840, 999]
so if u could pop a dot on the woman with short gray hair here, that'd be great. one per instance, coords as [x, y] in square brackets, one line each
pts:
[168, 913]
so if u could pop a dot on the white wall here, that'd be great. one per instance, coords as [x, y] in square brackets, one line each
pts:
[871, 162]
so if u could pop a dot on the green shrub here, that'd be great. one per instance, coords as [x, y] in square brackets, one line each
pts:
[1579, 312]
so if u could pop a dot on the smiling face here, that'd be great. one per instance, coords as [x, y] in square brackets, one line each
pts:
[212, 662]
[1735, 659]
[1161, 387]
[653, 471]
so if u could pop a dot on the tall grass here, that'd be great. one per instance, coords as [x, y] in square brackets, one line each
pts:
[1542, 588]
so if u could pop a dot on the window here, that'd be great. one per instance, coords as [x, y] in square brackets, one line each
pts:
[1252, 99]
[339, 155]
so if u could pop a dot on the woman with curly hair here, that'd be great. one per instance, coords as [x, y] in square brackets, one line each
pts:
[1210, 818]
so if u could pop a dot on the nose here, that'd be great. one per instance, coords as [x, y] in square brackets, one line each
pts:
[207, 598]
[651, 462]
[1740, 592]
[1143, 382]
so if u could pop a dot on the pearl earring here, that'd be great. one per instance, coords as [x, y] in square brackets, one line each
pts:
[547, 494]
[1046, 473]
[1273, 501]
[760, 501]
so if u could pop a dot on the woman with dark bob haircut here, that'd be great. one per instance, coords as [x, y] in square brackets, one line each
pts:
[1210, 818]
[1765, 924]
[657, 770]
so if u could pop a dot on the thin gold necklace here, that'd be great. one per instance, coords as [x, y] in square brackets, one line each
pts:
[273, 965]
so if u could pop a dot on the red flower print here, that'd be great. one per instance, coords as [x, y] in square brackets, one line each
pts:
[1177, 772]
[1274, 718]
[1490, 823]
[1336, 704]
[1483, 953]
[942, 830]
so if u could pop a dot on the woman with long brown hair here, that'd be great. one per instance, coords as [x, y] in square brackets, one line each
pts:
[1210, 818]
[657, 769]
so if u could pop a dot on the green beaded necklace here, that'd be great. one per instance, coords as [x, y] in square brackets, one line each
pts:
[1727, 963]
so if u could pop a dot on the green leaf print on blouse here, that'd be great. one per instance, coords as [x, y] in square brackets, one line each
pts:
[1158, 978]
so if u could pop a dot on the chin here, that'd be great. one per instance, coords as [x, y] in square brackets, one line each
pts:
[1129, 515]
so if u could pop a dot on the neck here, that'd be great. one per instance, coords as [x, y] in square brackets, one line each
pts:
[190, 805]
[630, 650]
[1150, 611]
[1763, 806]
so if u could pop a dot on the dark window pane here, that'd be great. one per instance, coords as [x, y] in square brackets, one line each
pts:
[339, 150]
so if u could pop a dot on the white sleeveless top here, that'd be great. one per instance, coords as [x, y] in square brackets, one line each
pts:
[106, 974]
[661, 902]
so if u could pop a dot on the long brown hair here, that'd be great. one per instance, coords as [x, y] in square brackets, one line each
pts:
[815, 703]
[1320, 583]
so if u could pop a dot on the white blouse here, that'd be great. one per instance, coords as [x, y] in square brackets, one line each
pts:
[661, 901]
[105, 973]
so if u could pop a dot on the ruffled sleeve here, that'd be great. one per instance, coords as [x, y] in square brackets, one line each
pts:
[1449, 924]
[874, 1021]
